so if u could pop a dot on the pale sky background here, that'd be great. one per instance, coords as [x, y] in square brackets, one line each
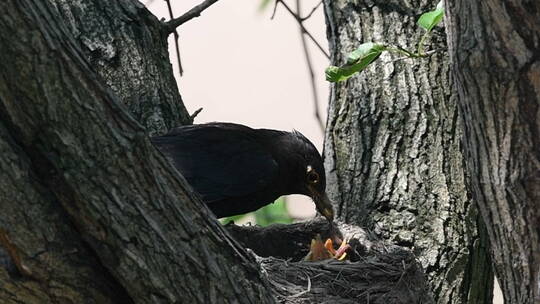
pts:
[242, 67]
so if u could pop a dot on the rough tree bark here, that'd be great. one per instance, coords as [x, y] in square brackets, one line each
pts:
[123, 41]
[92, 213]
[495, 48]
[392, 149]
[42, 243]
[76, 158]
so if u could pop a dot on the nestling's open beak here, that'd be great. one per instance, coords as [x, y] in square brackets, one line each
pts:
[324, 205]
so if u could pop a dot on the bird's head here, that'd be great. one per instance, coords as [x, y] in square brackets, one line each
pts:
[308, 173]
[316, 188]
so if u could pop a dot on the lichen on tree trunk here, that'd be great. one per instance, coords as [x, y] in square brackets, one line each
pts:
[392, 148]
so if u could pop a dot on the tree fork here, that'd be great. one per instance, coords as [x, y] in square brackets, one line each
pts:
[107, 176]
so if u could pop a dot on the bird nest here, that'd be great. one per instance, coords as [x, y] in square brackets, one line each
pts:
[373, 273]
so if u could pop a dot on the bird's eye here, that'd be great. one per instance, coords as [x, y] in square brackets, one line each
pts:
[312, 177]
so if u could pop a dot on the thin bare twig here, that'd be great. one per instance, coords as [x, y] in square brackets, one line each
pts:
[177, 48]
[192, 13]
[312, 11]
[192, 116]
[301, 24]
[309, 64]
[274, 10]
[426, 54]
[305, 291]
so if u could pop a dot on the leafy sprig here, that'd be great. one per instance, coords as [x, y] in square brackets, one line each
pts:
[368, 52]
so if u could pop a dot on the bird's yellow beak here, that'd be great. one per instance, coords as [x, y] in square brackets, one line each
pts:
[324, 205]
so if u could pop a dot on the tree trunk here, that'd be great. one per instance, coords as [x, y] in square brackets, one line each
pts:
[127, 47]
[392, 149]
[43, 243]
[494, 48]
[84, 191]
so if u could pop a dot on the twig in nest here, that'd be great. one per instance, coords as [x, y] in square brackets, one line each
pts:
[379, 277]
[305, 291]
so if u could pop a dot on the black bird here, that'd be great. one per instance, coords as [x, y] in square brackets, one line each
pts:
[237, 169]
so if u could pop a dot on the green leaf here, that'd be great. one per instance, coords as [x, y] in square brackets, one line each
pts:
[334, 74]
[273, 213]
[270, 214]
[264, 4]
[357, 61]
[363, 50]
[430, 19]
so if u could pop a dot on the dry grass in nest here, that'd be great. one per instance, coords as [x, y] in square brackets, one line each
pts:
[376, 273]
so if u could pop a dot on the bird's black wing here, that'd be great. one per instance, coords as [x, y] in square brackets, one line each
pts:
[220, 161]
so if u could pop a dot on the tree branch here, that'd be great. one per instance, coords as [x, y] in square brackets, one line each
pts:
[175, 32]
[309, 65]
[194, 114]
[192, 13]
[301, 24]
[312, 11]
